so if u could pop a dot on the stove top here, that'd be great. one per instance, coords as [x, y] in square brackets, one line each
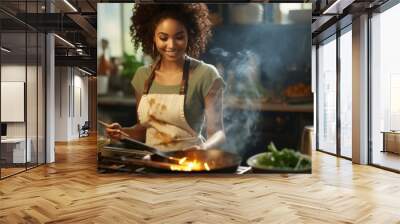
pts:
[143, 170]
[109, 161]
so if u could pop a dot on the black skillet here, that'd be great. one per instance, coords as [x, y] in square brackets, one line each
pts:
[218, 161]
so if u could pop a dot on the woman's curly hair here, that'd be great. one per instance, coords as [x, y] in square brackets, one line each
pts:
[193, 16]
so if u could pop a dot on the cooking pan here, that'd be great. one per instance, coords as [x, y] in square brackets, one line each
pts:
[211, 160]
[218, 161]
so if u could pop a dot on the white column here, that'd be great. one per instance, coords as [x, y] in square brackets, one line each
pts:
[50, 92]
[50, 100]
[360, 90]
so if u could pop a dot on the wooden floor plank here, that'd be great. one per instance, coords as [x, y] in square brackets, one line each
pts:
[71, 191]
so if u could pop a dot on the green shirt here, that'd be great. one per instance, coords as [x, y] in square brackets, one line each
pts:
[201, 78]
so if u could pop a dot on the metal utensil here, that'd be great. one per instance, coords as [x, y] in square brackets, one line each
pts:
[125, 138]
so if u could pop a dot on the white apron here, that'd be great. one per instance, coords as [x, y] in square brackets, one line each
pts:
[164, 116]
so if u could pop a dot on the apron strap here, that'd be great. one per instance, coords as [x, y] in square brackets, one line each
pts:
[185, 77]
[149, 81]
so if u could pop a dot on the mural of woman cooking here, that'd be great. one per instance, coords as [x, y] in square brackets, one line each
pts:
[177, 95]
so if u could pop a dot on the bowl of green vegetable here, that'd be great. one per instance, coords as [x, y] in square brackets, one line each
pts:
[280, 161]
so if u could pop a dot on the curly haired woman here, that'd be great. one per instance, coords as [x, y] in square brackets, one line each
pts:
[176, 95]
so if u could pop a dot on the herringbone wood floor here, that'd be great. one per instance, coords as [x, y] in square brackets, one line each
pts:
[71, 191]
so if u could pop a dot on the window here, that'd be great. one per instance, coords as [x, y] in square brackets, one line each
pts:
[116, 31]
[22, 64]
[329, 113]
[346, 94]
[385, 85]
[327, 96]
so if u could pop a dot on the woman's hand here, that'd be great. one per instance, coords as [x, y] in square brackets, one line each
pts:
[194, 147]
[216, 139]
[114, 131]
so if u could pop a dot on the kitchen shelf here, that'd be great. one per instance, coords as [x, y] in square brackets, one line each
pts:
[259, 105]
[116, 101]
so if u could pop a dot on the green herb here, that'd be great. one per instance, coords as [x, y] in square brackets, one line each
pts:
[288, 159]
[130, 65]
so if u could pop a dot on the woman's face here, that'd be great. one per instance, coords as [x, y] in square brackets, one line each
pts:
[171, 39]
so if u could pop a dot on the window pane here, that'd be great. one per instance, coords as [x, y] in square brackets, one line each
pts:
[385, 88]
[327, 97]
[13, 82]
[126, 23]
[31, 98]
[110, 28]
[41, 99]
[346, 94]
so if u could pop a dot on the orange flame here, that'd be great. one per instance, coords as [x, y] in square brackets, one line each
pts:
[186, 165]
[181, 161]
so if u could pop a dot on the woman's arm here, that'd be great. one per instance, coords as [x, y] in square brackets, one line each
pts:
[214, 116]
[137, 132]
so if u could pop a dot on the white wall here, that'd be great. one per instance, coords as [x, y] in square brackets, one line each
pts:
[71, 94]
[61, 103]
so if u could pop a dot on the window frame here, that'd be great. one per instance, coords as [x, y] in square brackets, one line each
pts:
[333, 37]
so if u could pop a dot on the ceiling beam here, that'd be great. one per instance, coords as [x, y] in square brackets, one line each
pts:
[84, 24]
[337, 7]
[82, 61]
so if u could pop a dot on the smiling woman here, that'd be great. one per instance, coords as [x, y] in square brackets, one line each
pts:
[194, 18]
[176, 93]
[171, 39]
